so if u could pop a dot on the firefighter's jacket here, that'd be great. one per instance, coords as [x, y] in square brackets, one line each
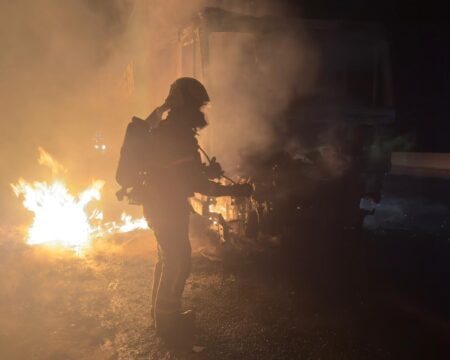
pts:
[173, 162]
[165, 163]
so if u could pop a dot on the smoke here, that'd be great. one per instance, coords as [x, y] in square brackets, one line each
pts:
[252, 78]
[74, 72]
[52, 52]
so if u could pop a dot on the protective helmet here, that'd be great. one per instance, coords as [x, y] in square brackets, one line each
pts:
[187, 91]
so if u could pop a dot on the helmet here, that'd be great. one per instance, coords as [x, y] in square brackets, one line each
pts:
[187, 91]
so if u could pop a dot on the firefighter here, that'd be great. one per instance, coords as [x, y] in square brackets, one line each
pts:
[175, 172]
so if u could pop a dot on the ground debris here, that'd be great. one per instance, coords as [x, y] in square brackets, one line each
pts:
[98, 307]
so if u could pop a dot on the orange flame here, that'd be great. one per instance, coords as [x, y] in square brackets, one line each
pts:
[47, 160]
[59, 217]
[62, 219]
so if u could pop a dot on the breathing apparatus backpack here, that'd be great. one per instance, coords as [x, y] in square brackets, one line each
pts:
[130, 173]
[132, 168]
[137, 159]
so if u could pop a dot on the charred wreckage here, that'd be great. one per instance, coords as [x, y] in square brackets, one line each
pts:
[343, 126]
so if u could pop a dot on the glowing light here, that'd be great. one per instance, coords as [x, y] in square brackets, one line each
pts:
[59, 217]
[218, 209]
[64, 219]
[127, 224]
[101, 147]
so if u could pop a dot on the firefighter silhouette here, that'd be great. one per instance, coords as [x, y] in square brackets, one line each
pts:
[160, 161]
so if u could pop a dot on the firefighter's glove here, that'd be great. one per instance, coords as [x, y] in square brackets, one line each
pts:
[241, 190]
[213, 170]
[121, 194]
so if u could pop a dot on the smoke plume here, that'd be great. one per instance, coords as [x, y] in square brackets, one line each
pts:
[74, 72]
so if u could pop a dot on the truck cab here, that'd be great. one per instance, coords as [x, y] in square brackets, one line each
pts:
[309, 100]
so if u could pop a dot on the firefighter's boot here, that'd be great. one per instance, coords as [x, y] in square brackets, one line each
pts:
[177, 329]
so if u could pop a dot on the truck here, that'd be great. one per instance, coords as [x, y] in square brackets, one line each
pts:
[323, 92]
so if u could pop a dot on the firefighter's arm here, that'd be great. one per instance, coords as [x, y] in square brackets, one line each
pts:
[156, 116]
[204, 185]
[205, 174]
[213, 170]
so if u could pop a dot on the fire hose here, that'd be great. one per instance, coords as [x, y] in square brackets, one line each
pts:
[212, 162]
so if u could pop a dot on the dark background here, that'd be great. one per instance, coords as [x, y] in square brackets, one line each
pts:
[419, 39]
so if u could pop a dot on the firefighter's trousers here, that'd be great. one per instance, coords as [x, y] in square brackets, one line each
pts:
[170, 223]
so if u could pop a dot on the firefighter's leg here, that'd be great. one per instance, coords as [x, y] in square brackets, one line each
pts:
[156, 281]
[173, 275]
[170, 222]
[184, 255]
[175, 327]
[167, 301]
[158, 266]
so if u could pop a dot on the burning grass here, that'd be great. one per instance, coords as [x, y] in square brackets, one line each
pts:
[63, 219]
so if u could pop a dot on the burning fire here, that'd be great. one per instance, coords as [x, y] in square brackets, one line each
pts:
[126, 224]
[63, 219]
[59, 217]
